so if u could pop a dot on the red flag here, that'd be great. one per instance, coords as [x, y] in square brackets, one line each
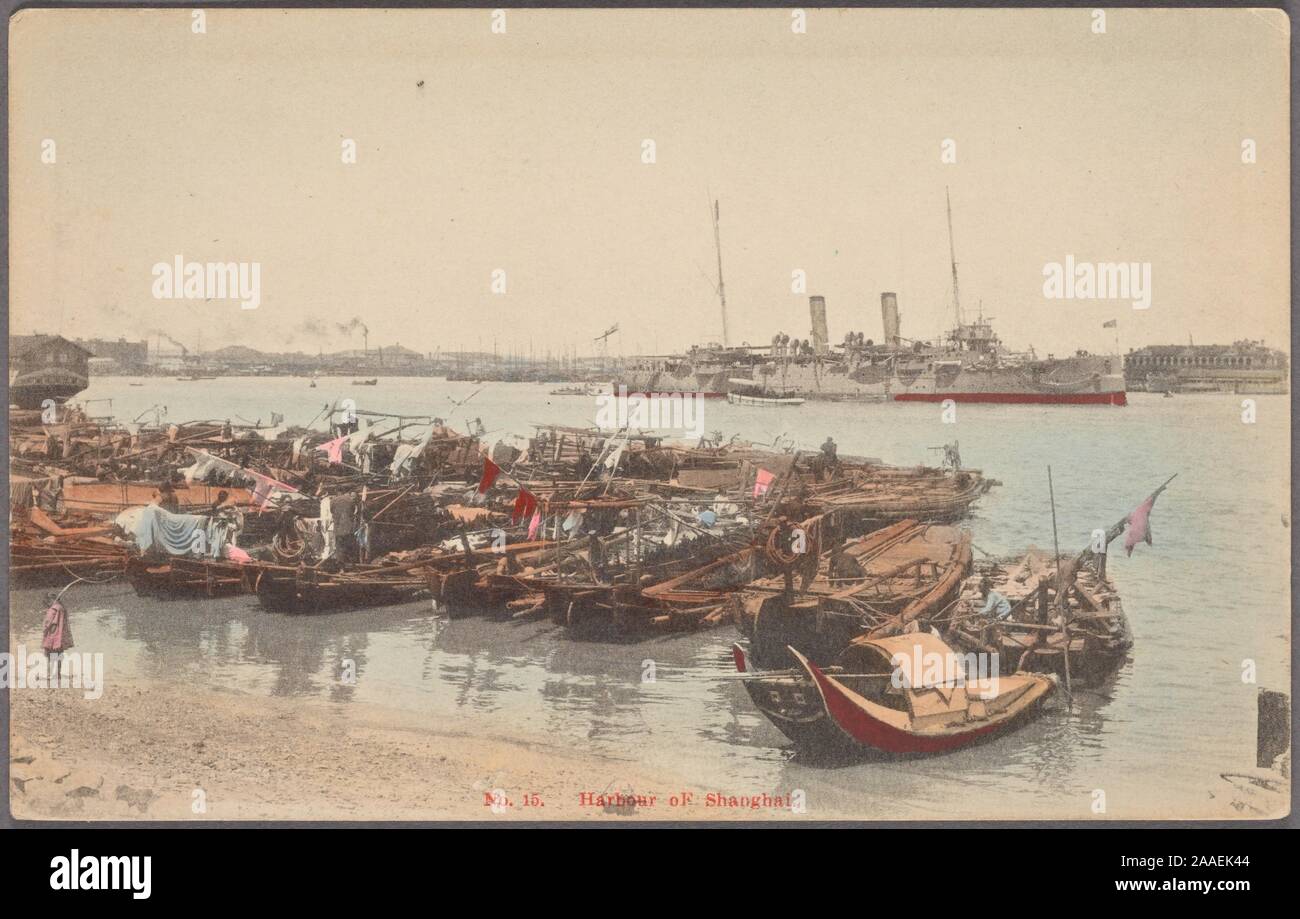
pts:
[525, 504]
[490, 472]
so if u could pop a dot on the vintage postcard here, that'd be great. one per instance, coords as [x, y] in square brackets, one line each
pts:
[602, 415]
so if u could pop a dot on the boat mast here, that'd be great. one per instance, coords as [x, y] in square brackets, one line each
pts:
[722, 291]
[952, 257]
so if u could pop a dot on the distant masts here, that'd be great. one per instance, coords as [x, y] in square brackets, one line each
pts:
[952, 257]
[722, 291]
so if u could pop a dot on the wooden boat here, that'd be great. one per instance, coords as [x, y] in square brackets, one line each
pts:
[874, 707]
[736, 398]
[108, 499]
[38, 556]
[301, 589]
[879, 584]
[626, 583]
[1013, 608]
[890, 493]
[178, 577]
[451, 578]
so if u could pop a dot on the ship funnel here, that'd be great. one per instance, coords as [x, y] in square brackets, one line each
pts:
[889, 318]
[820, 337]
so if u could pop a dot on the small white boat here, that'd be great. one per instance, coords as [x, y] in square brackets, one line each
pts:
[736, 398]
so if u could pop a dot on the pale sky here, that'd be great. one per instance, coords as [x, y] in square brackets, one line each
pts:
[523, 152]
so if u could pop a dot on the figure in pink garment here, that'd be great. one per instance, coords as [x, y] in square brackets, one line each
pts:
[57, 636]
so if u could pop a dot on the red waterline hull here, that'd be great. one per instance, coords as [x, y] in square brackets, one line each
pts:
[870, 732]
[1026, 398]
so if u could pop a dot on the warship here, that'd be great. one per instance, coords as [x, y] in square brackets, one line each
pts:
[970, 364]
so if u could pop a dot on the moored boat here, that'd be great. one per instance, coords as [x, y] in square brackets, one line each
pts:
[906, 573]
[1017, 610]
[881, 704]
[736, 398]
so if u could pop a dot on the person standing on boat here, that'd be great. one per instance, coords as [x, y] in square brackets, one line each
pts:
[222, 495]
[167, 499]
[829, 459]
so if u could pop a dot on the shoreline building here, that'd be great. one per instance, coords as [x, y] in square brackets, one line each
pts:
[1242, 367]
[116, 357]
[45, 367]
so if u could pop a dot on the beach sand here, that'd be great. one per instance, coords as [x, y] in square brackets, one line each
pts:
[155, 751]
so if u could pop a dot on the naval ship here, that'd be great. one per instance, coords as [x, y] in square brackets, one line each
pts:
[970, 364]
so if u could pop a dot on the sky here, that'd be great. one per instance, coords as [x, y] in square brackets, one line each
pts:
[480, 152]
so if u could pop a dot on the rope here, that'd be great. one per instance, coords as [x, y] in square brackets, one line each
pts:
[278, 544]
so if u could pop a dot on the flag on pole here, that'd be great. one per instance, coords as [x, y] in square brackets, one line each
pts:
[1110, 324]
[762, 482]
[490, 472]
[334, 449]
[525, 504]
[1139, 525]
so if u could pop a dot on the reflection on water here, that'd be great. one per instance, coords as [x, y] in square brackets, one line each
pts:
[1176, 715]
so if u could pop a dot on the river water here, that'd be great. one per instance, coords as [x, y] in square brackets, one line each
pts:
[1212, 592]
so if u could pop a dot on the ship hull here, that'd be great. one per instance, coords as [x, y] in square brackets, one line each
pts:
[1080, 380]
[30, 391]
[1014, 398]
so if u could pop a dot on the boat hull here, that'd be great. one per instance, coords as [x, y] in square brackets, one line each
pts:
[32, 394]
[1118, 398]
[740, 399]
[859, 725]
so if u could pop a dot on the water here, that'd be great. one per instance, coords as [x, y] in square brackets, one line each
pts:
[1212, 592]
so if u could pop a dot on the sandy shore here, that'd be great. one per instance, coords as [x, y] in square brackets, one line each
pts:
[156, 751]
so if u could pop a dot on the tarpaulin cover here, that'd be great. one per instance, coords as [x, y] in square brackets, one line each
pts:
[180, 534]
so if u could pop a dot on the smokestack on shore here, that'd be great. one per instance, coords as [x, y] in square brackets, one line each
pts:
[889, 318]
[820, 337]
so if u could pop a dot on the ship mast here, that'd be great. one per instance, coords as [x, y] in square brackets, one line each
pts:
[722, 292]
[952, 257]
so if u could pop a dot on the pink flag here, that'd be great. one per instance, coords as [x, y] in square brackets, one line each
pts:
[534, 525]
[262, 490]
[266, 488]
[334, 449]
[1139, 525]
[762, 481]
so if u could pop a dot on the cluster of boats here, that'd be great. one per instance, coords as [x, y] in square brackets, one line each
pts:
[831, 567]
